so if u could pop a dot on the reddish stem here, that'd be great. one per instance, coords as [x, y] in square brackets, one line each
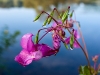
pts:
[42, 36]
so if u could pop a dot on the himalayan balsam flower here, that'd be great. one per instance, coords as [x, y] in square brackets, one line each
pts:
[32, 51]
[76, 35]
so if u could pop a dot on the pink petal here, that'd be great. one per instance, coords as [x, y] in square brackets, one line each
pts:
[77, 36]
[76, 45]
[26, 42]
[46, 50]
[37, 55]
[54, 24]
[24, 58]
[67, 40]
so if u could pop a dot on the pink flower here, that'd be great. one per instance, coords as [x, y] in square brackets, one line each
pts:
[76, 35]
[32, 51]
[56, 41]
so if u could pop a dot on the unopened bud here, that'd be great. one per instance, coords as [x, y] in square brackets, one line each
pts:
[37, 17]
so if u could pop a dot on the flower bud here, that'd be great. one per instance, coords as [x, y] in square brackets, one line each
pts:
[49, 19]
[37, 17]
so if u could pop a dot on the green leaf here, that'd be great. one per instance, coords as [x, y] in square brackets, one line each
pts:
[84, 70]
[37, 37]
[71, 41]
[81, 69]
[49, 19]
[37, 17]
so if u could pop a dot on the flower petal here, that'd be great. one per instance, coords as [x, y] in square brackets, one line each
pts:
[37, 55]
[67, 40]
[26, 42]
[46, 50]
[76, 44]
[24, 58]
[54, 24]
[76, 34]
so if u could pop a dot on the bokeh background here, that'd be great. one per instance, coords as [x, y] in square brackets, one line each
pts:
[16, 19]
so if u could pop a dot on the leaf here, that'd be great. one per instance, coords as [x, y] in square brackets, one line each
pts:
[84, 70]
[37, 37]
[71, 41]
[81, 69]
[37, 17]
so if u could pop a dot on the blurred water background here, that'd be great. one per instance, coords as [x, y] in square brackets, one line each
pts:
[16, 19]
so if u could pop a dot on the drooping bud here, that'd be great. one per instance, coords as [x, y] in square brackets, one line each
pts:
[37, 17]
[71, 41]
[65, 15]
[45, 22]
[49, 19]
[66, 46]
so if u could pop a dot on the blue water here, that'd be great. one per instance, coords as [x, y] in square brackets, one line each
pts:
[65, 62]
